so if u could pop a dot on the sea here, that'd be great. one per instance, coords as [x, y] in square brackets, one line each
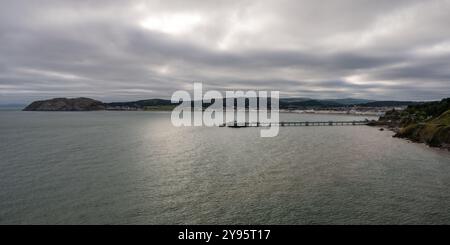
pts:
[125, 167]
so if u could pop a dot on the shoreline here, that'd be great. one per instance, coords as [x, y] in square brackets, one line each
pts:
[318, 112]
[397, 134]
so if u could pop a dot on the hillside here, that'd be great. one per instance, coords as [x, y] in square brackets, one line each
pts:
[426, 123]
[435, 132]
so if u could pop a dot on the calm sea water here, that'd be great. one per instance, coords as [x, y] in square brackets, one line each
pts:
[135, 168]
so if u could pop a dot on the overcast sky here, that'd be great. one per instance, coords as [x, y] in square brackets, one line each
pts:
[126, 50]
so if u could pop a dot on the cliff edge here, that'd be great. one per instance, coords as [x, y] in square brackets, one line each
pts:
[427, 123]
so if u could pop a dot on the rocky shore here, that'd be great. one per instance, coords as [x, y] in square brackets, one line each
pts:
[427, 123]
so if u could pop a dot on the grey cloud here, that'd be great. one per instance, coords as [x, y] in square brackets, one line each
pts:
[102, 49]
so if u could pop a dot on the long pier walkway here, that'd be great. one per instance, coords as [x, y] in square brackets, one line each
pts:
[295, 124]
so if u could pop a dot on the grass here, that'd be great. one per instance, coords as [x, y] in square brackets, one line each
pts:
[434, 132]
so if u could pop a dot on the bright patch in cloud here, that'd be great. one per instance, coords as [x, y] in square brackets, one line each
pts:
[173, 24]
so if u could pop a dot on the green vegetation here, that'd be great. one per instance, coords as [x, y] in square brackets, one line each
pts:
[428, 123]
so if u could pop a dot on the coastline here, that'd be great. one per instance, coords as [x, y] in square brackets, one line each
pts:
[166, 109]
[428, 123]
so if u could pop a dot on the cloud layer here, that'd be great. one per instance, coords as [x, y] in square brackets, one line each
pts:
[126, 50]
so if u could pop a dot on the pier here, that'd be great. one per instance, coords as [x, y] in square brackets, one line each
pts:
[295, 124]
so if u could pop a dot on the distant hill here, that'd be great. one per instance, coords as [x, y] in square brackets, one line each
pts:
[284, 103]
[64, 104]
[350, 101]
[290, 100]
[345, 101]
[84, 104]
[292, 103]
[307, 104]
[389, 103]
[139, 103]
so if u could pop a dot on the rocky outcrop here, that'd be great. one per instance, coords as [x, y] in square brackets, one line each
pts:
[65, 104]
[425, 123]
[435, 132]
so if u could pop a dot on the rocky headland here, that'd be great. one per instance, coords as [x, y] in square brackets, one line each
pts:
[64, 104]
[427, 123]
